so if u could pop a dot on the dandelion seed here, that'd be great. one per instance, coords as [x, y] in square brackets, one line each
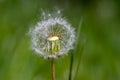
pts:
[53, 36]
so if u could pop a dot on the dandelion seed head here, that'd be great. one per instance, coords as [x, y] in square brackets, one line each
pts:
[53, 36]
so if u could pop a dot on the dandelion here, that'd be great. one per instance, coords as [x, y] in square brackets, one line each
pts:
[52, 37]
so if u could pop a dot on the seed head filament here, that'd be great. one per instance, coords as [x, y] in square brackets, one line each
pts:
[53, 45]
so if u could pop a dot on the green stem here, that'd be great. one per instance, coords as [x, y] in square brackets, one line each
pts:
[71, 63]
[74, 51]
[78, 65]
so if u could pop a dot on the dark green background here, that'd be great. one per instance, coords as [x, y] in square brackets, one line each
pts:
[99, 39]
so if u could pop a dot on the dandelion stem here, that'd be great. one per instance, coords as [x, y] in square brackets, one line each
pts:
[53, 69]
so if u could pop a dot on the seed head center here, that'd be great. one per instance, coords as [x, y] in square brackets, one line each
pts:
[53, 38]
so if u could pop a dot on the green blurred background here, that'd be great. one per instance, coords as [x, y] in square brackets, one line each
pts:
[99, 40]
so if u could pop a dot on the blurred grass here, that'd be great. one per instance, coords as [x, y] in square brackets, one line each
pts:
[101, 27]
